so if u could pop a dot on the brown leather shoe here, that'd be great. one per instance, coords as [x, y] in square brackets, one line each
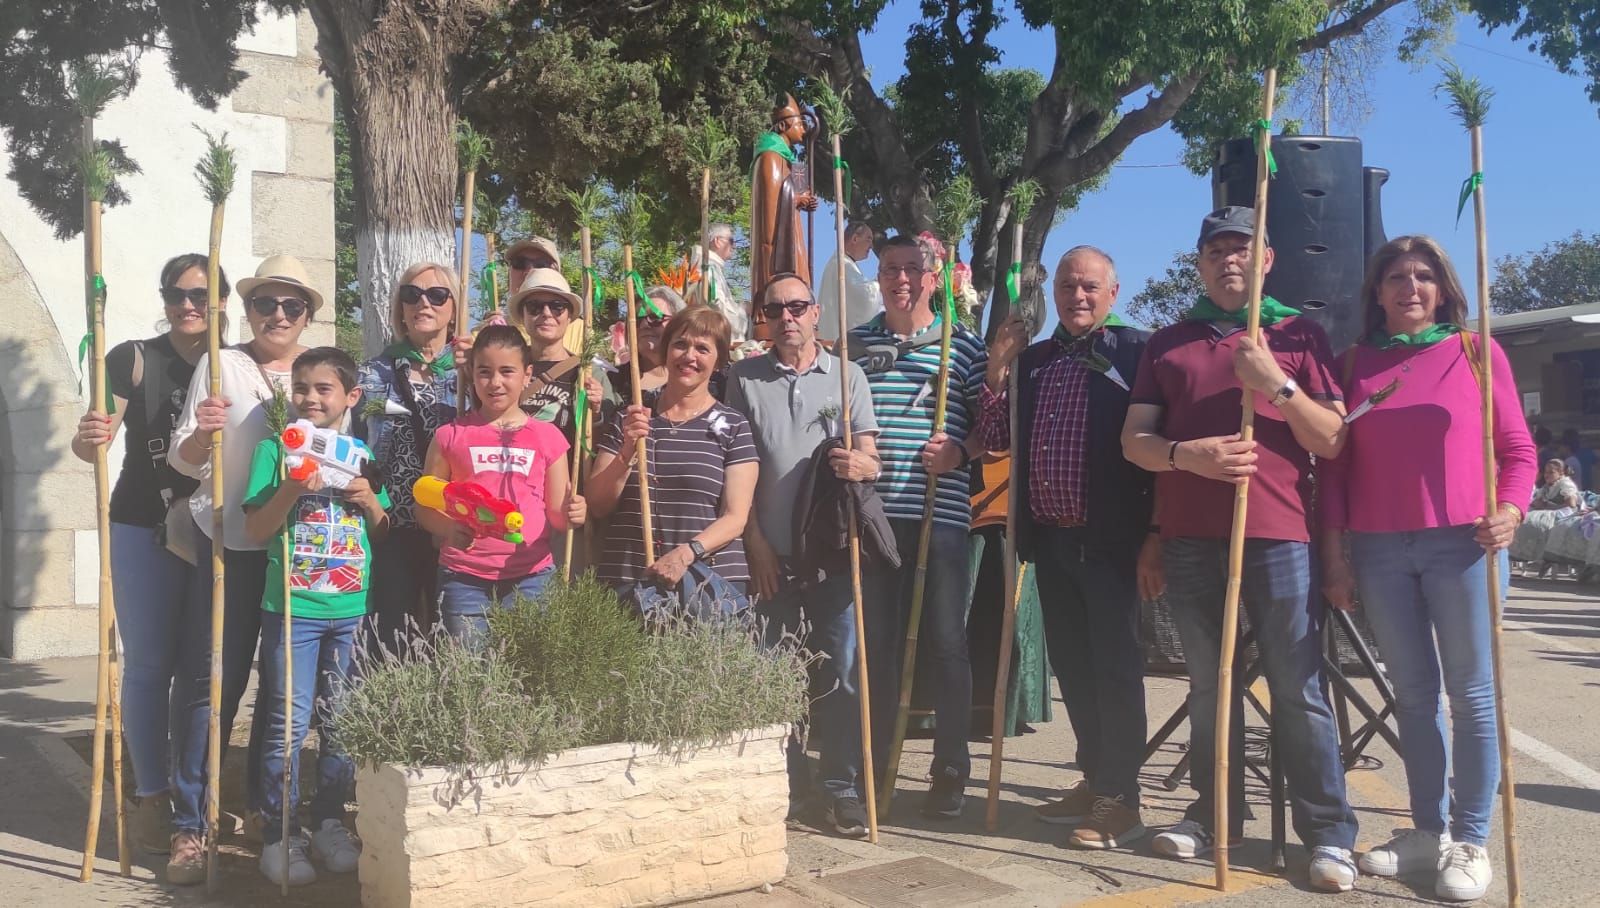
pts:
[187, 865]
[1071, 809]
[1111, 824]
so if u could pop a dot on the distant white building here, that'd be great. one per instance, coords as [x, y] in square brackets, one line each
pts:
[280, 121]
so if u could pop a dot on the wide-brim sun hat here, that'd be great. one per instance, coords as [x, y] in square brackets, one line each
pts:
[285, 271]
[544, 280]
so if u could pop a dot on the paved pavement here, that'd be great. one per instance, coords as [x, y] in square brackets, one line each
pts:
[1553, 661]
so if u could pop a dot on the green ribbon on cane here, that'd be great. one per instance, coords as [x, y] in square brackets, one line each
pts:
[645, 303]
[487, 281]
[1014, 282]
[1260, 126]
[840, 163]
[948, 270]
[96, 297]
[580, 412]
[1468, 187]
[597, 299]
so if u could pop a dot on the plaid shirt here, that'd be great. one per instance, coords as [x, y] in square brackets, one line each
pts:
[1057, 465]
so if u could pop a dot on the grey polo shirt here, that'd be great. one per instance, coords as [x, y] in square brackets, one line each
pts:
[787, 415]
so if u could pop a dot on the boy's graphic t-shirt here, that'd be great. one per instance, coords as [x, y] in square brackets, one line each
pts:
[331, 557]
[509, 464]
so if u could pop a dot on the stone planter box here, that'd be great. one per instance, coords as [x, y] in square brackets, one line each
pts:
[611, 825]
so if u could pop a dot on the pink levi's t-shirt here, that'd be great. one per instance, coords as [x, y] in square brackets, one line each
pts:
[510, 464]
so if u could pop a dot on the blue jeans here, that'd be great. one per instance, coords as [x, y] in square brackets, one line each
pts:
[1090, 602]
[246, 580]
[942, 641]
[151, 588]
[1286, 615]
[823, 617]
[1418, 588]
[465, 600]
[320, 653]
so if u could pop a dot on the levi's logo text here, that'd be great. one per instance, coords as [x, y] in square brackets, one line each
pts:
[502, 460]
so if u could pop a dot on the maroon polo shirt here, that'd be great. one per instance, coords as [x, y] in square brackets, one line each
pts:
[1188, 372]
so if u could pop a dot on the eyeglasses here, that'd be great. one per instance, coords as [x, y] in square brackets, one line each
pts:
[197, 296]
[774, 310]
[411, 294]
[556, 308]
[911, 272]
[653, 321]
[526, 263]
[293, 306]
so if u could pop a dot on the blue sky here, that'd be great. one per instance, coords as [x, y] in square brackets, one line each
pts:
[1541, 130]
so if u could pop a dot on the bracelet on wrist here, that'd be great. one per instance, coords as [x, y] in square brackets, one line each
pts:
[1172, 456]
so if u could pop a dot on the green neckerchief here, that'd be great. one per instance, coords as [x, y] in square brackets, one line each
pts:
[439, 366]
[1082, 346]
[1272, 312]
[771, 141]
[1425, 338]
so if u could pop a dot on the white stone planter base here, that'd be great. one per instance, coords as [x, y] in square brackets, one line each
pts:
[612, 825]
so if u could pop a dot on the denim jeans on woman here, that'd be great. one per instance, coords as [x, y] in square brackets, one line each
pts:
[465, 600]
[1426, 595]
[246, 577]
[1286, 614]
[320, 651]
[151, 588]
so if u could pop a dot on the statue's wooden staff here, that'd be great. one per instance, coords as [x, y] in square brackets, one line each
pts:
[1023, 195]
[1241, 498]
[957, 206]
[1469, 101]
[216, 172]
[94, 87]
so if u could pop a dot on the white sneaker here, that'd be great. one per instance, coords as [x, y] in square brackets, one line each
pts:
[336, 848]
[1332, 870]
[1465, 875]
[1188, 839]
[301, 873]
[1410, 851]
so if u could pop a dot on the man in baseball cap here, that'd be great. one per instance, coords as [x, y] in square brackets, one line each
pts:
[527, 254]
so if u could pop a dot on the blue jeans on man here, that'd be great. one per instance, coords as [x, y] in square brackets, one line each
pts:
[822, 616]
[1416, 588]
[320, 652]
[1286, 613]
[941, 647]
[1089, 599]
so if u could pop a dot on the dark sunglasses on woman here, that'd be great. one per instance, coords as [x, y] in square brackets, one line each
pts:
[774, 311]
[174, 296]
[411, 294]
[556, 308]
[293, 306]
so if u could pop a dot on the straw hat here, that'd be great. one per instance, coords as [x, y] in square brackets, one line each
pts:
[544, 280]
[284, 271]
[548, 247]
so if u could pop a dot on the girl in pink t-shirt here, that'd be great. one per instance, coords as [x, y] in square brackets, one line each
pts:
[512, 457]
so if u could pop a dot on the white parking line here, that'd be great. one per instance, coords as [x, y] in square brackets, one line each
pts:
[1555, 759]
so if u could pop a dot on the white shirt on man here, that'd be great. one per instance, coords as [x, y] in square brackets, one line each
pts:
[863, 300]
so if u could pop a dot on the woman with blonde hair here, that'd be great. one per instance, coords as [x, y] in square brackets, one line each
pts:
[1406, 495]
[407, 392]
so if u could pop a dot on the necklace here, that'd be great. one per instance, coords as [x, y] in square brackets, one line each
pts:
[674, 425]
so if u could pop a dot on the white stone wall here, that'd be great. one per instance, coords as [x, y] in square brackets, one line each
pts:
[612, 825]
[280, 123]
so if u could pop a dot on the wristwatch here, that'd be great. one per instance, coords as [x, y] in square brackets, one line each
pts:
[698, 549]
[1284, 393]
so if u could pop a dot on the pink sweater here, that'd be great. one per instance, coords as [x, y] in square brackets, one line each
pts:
[1415, 461]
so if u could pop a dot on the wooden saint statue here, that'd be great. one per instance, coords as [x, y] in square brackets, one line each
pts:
[780, 188]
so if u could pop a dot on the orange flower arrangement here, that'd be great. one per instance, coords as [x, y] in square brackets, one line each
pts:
[679, 277]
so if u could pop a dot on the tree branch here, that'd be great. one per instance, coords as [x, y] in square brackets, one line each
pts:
[1346, 28]
[1063, 169]
[966, 88]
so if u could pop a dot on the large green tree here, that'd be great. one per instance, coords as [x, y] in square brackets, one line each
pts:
[1563, 273]
[1163, 300]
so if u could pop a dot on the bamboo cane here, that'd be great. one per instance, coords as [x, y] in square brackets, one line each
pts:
[494, 281]
[291, 760]
[469, 188]
[908, 670]
[641, 452]
[1508, 786]
[1241, 498]
[586, 431]
[1013, 589]
[705, 226]
[869, 795]
[216, 172]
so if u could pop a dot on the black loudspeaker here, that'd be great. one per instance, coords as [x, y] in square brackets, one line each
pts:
[1324, 218]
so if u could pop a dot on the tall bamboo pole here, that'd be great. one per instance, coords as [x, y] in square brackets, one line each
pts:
[919, 585]
[705, 226]
[641, 450]
[580, 415]
[1470, 103]
[494, 280]
[869, 794]
[291, 760]
[1241, 498]
[586, 430]
[469, 179]
[216, 172]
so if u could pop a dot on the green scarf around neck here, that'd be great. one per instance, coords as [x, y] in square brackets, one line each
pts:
[439, 366]
[1272, 312]
[1082, 346]
[771, 141]
[1426, 338]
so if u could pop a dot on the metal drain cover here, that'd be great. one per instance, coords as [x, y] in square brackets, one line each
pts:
[920, 882]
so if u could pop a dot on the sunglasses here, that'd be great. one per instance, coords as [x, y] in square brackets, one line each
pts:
[556, 308]
[524, 263]
[774, 310]
[293, 306]
[411, 294]
[174, 296]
